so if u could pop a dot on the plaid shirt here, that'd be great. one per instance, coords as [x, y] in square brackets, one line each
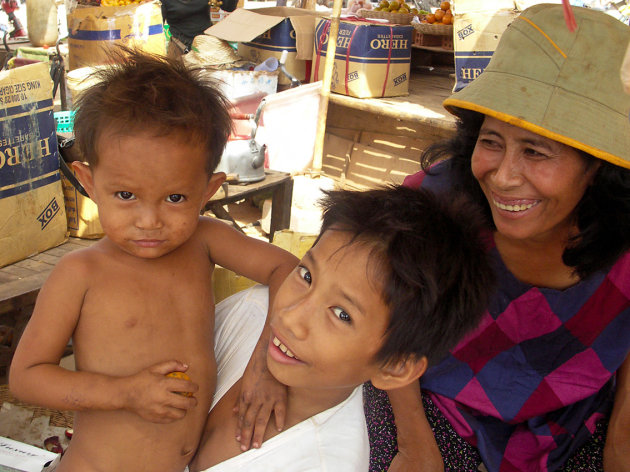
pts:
[528, 385]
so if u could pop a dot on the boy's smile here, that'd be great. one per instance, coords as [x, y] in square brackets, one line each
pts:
[328, 318]
[149, 191]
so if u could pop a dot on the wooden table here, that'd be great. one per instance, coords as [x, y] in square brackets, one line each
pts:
[19, 285]
[281, 186]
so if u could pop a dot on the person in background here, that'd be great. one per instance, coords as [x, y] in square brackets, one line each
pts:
[543, 146]
[186, 19]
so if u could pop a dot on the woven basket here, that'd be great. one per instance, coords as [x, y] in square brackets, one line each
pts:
[59, 418]
[432, 28]
[392, 17]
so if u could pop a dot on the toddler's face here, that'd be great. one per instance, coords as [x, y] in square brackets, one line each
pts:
[328, 318]
[149, 191]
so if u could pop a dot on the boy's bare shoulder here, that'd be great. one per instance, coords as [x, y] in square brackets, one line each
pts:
[213, 229]
[82, 260]
[208, 222]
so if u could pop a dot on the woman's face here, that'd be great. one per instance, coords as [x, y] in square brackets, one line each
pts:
[532, 183]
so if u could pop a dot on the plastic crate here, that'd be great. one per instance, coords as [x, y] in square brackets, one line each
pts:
[64, 121]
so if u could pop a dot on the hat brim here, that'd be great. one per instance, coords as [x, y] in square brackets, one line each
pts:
[516, 100]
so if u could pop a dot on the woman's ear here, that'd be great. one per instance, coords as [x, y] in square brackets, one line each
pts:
[84, 174]
[400, 373]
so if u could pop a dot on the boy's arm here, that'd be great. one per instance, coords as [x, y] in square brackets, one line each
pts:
[417, 449]
[36, 377]
[617, 447]
[261, 394]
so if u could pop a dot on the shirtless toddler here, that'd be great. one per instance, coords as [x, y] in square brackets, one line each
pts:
[138, 304]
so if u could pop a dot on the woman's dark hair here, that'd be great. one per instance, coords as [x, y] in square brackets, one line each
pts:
[602, 215]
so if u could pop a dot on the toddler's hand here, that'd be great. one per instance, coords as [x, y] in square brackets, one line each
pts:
[157, 397]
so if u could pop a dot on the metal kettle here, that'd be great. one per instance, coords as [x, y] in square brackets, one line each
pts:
[245, 158]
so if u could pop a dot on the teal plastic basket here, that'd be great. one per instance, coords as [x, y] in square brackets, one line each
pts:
[64, 121]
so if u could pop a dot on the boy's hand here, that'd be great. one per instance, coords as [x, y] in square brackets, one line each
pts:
[158, 398]
[260, 394]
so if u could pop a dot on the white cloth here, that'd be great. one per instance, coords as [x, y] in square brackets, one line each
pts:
[333, 440]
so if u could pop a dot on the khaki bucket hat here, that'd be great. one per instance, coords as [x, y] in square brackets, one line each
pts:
[556, 83]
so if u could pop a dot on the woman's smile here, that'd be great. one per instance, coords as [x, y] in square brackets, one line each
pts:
[513, 205]
[532, 183]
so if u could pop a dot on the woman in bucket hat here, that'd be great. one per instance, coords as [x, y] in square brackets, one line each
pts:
[543, 145]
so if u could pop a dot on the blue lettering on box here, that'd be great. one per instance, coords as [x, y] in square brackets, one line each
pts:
[108, 35]
[281, 36]
[400, 79]
[465, 32]
[353, 76]
[469, 65]
[29, 157]
[49, 213]
[371, 44]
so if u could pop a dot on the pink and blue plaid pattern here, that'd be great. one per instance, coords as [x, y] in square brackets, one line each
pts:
[528, 385]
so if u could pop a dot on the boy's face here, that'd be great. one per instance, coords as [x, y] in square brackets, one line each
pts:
[149, 191]
[328, 318]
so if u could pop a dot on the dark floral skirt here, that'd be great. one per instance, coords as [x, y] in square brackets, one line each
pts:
[457, 454]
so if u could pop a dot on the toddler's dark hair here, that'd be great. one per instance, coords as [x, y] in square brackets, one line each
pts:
[431, 258]
[140, 91]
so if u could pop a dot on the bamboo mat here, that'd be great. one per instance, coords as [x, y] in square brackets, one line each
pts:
[58, 418]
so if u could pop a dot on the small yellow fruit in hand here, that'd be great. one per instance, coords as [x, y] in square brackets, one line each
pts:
[183, 376]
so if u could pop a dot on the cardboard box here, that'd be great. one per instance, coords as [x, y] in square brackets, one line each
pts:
[93, 30]
[477, 29]
[371, 60]
[32, 213]
[81, 212]
[16, 456]
[266, 32]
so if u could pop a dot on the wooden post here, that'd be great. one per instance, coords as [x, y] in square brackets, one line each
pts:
[318, 150]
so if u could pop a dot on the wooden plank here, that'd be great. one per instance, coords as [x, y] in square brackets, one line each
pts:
[352, 119]
[34, 265]
[4, 277]
[422, 105]
[371, 167]
[19, 272]
[58, 251]
[405, 146]
[20, 282]
[46, 258]
[337, 151]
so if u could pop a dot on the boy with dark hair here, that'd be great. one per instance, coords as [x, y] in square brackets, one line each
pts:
[138, 304]
[396, 277]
